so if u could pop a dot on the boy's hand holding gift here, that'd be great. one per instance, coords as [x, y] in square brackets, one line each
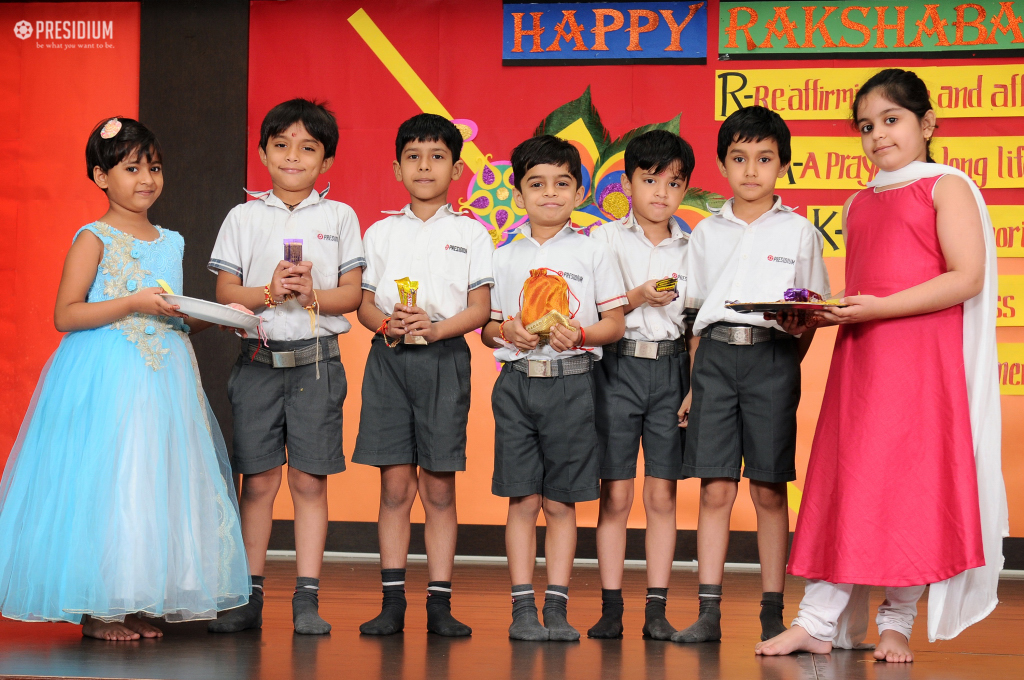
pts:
[278, 291]
[563, 338]
[298, 282]
[417, 323]
[650, 293]
[514, 332]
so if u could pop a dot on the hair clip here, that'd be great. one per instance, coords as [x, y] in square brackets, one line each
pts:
[110, 128]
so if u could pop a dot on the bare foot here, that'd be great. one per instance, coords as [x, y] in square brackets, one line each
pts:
[102, 630]
[893, 647]
[144, 629]
[795, 639]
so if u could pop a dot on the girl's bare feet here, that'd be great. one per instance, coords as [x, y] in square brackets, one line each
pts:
[795, 639]
[893, 647]
[102, 630]
[144, 629]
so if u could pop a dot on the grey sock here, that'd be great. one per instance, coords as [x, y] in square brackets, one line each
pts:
[708, 627]
[391, 619]
[771, 615]
[249, 615]
[656, 626]
[305, 608]
[556, 605]
[525, 625]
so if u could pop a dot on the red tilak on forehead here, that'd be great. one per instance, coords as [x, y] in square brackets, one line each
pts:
[295, 134]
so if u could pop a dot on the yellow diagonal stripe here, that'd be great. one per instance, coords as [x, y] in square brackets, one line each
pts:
[407, 78]
[795, 496]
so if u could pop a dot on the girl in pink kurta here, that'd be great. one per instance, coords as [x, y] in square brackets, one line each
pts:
[905, 435]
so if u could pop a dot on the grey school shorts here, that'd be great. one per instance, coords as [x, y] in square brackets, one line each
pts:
[415, 405]
[545, 437]
[275, 408]
[743, 413]
[638, 400]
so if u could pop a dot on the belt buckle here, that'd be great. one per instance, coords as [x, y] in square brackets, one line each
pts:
[538, 368]
[645, 350]
[283, 359]
[741, 335]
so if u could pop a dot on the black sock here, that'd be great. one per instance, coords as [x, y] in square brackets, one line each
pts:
[392, 612]
[242, 618]
[771, 615]
[525, 624]
[439, 611]
[656, 626]
[556, 610]
[306, 607]
[708, 627]
[610, 625]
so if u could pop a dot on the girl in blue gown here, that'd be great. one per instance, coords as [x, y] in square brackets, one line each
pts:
[116, 498]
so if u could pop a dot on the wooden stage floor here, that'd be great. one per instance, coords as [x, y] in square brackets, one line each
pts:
[350, 594]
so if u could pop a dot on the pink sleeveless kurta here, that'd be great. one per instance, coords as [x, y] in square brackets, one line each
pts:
[891, 494]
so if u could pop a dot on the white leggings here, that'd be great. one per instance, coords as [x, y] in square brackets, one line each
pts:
[823, 605]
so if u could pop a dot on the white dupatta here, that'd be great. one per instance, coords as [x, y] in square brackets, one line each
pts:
[970, 596]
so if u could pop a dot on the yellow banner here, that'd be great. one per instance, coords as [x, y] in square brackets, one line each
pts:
[1007, 222]
[840, 163]
[989, 91]
[1011, 301]
[1011, 368]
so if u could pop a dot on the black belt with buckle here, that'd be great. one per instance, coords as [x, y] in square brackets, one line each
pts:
[643, 349]
[291, 358]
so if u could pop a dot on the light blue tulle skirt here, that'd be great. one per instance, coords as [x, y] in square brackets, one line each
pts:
[116, 498]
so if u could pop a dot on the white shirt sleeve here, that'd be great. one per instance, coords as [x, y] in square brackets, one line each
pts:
[609, 290]
[696, 283]
[811, 272]
[481, 251]
[374, 266]
[496, 311]
[350, 244]
[226, 256]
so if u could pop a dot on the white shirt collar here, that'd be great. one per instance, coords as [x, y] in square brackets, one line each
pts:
[675, 231]
[270, 198]
[726, 211]
[444, 211]
[527, 232]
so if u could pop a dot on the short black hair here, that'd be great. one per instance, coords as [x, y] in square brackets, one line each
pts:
[314, 116]
[752, 124]
[545, 150]
[134, 140]
[429, 127]
[658, 150]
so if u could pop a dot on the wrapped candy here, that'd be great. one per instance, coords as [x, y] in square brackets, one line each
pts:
[665, 285]
[800, 295]
[407, 290]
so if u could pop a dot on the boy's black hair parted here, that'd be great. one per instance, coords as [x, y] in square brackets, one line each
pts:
[134, 140]
[429, 127]
[752, 124]
[903, 88]
[314, 116]
[658, 150]
[545, 150]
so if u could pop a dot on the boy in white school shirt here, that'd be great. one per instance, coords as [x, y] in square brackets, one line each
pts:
[547, 452]
[745, 380]
[642, 379]
[415, 401]
[290, 393]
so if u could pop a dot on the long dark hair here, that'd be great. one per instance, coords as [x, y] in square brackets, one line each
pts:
[903, 88]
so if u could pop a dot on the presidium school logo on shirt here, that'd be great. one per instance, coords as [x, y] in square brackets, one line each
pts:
[780, 259]
[327, 237]
[457, 249]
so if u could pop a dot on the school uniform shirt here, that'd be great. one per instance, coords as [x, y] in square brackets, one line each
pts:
[449, 254]
[250, 245]
[640, 261]
[732, 261]
[586, 264]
